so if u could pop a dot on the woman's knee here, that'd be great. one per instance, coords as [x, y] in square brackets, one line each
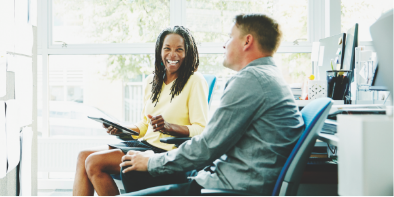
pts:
[98, 162]
[92, 164]
[82, 156]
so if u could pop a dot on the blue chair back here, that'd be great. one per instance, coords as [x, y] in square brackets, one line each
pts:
[314, 115]
[211, 80]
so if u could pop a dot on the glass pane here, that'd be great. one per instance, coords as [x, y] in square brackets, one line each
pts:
[110, 86]
[295, 68]
[211, 21]
[365, 13]
[104, 21]
[93, 85]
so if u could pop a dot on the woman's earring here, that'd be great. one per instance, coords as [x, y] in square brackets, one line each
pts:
[162, 64]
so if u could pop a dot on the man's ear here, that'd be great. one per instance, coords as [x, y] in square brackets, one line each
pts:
[248, 42]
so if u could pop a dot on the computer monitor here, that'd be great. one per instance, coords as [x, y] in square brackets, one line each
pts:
[330, 45]
[349, 55]
[377, 83]
[383, 42]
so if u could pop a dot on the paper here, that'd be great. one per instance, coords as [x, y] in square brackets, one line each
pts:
[7, 20]
[11, 62]
[24, 89]
[3, 142]
[25, 166]
[3, 74]
[315, 51]
[12, 132]
[24, 39]
[21, 12]
[321, 55]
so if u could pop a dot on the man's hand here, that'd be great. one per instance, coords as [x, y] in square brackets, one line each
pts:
[136, 161]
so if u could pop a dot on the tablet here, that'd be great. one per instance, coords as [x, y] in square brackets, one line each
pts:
[107, 122]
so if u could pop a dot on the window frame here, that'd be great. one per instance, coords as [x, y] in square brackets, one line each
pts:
[324, 19]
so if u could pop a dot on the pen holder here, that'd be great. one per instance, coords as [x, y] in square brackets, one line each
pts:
[317, 89]
[337, 83]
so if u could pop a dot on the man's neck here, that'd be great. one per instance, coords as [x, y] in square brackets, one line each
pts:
[250, 58]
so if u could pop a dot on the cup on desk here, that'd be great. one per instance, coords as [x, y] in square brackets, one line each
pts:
[337, 83]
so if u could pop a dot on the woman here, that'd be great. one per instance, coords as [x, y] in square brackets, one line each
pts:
[175, 104]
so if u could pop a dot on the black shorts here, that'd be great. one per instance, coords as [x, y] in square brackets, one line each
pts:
[136, 145]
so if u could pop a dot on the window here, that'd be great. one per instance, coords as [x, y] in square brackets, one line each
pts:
[364, 12]
[90, 85]
[211, 21]
[103, 21]
[79, 72]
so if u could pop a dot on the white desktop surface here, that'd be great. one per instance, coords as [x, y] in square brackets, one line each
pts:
[303, 103]
[328, 138]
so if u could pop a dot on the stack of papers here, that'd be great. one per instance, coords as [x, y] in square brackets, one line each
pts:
[329, 127]
[296, 90]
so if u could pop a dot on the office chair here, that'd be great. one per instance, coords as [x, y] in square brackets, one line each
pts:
[287, 183]
[211, 81]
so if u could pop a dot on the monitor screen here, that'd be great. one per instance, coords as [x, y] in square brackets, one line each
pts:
[351, 44]
[330, 47]
[377, 81]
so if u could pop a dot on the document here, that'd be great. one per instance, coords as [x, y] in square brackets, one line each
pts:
[25, 166]
[21, 12]
[7, 20]
[321, 55]
[24, 41]
[24, 89]
[13, 134]
[23, 30]
[3, 142]
[315, 51]
[11, 62]
[3, 74]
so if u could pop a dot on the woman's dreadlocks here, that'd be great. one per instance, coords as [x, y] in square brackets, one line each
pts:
[188, 67]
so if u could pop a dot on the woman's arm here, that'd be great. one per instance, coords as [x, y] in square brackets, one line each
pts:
[198, 112]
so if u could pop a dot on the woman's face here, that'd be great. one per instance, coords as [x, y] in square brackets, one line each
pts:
[173, 52]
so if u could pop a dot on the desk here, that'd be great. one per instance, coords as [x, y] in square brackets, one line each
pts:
[330, 139]
[303, 103]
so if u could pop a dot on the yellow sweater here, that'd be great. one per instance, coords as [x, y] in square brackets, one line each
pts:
[189, 108]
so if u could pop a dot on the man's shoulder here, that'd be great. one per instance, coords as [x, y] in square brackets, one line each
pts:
[254, 73]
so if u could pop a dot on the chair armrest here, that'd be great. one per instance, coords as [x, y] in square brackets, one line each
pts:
[125, 137]
[175, 140]
[226, 192]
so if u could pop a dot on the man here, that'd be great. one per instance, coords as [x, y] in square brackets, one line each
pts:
[247, 140]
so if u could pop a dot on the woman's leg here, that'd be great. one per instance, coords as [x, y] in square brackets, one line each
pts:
[99, 167]
[82, 185]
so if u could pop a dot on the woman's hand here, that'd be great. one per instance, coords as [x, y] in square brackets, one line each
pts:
[111, 130]
[160, 125]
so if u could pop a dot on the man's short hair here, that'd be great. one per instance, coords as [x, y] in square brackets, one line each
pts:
[265, 30]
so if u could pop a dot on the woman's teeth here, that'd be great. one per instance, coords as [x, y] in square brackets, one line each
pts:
[172, 62]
